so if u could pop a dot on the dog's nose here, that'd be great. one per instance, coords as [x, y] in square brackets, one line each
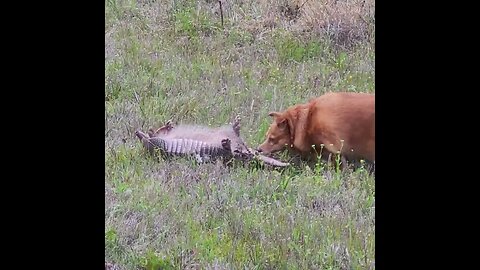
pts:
[259, 150]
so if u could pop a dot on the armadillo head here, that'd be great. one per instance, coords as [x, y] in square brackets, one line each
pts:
[241, 151]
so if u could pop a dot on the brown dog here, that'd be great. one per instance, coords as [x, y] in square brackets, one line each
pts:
[332, 123]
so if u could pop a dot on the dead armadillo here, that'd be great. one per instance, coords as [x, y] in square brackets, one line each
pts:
[202, 142]
[202, 150]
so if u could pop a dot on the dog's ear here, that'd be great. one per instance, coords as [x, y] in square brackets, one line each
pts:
[279, 119]
[281, 123]
[274, 114]
[291, 128]
[284, 122]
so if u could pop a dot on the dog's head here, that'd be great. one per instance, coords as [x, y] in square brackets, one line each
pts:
[279, 135]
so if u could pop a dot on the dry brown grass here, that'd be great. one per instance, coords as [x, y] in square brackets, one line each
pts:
[346, 22]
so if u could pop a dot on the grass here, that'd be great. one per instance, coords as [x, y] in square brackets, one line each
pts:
[174, 59]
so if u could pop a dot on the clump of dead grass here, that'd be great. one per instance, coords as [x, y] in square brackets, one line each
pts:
[346, 22]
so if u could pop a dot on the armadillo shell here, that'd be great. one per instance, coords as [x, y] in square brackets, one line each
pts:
[187, 147]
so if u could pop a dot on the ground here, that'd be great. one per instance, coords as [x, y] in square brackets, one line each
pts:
[175, 60]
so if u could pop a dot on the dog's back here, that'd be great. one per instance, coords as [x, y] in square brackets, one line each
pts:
[344, 122]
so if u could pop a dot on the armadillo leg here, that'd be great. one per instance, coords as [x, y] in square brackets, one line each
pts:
[165, 129]
[236, 125]
[226, 144]
[199, 158]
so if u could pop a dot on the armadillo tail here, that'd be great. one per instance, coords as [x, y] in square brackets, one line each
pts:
[272, 161]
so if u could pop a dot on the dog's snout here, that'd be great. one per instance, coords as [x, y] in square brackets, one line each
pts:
[259, 150]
